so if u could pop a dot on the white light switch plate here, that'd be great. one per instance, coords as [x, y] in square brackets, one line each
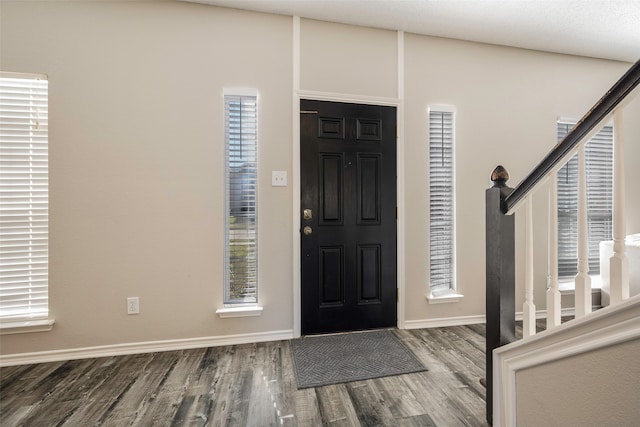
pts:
[278, 178]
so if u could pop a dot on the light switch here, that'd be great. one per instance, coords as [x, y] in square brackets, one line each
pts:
[278, 178]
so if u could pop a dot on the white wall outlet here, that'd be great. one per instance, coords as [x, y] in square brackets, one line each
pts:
[278, 178]
[133, 305]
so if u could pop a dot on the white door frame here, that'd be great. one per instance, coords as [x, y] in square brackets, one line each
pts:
[299, 94]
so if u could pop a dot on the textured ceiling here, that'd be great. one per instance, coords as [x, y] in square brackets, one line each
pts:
[597, 28]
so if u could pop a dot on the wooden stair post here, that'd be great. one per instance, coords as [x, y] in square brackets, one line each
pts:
[500, 274]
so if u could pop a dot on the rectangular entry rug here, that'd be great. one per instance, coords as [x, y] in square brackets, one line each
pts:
[334, 359]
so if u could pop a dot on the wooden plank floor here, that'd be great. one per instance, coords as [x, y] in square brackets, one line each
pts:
[249, 385]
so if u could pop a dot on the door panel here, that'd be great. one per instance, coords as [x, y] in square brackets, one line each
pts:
[348, 234]
[368, 189]
[331, 278]
[331, 188]
[369, 284]
[370, 130]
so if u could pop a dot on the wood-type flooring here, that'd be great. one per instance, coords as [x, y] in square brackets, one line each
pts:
[249, 385]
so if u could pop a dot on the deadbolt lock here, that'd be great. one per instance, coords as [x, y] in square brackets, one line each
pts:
[307, 214]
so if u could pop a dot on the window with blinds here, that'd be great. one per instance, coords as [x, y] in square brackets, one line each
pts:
[241, 163]
[599, 162]
[441, 200]
[24, 206]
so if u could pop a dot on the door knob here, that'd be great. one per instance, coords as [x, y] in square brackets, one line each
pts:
[307, 230]
[307, 214]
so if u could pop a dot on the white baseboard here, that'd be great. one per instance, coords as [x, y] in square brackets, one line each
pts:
[141, 347]
[471, 320]
[189, 343]
[542, 314]
[444, 321]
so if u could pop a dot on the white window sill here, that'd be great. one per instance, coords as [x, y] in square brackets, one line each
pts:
[444, 297]
[8, 327]
[246, 311]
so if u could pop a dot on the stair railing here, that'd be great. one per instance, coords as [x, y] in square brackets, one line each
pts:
[501, 204]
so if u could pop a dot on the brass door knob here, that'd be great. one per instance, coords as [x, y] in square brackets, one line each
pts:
[307, 230]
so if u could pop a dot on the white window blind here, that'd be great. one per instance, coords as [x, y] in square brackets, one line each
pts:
[441, 200]
[599, 162]
[23, 196]
[241, 153]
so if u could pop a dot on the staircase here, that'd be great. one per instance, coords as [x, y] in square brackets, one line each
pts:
[517, 365]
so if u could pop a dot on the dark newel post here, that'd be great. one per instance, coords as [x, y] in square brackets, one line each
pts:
[500, 286]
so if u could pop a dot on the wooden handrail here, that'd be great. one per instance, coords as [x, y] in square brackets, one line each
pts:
[597, 114]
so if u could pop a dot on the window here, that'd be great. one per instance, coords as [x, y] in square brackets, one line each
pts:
[441, 200]
[599, 162]
[241, 162]
[24, 206]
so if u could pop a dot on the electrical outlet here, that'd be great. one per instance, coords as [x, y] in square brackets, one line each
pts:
[133, 305]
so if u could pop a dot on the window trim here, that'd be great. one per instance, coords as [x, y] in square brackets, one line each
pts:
[242, 311]
[238, 308]
[39, 321]
[25, 326]
[450, 295]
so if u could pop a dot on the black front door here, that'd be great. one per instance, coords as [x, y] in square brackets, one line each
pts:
[348, 216]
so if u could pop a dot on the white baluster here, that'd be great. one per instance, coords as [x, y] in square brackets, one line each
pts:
[529, 308]
[583, 281]
[553, 293]
[618, 263]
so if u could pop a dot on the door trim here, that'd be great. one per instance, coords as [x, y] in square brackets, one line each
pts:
[295, 175]
[297, 95]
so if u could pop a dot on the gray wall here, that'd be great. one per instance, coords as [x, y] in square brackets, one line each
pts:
[136, 153]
